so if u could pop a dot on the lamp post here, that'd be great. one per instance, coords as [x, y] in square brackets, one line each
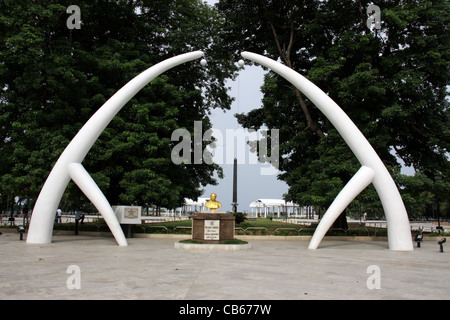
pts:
[234, 204]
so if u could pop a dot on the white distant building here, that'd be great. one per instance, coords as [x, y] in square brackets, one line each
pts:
[277, 207]
[195, 206]
[190, 206]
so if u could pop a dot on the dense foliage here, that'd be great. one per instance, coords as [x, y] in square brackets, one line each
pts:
[392, 82]
[53, 79]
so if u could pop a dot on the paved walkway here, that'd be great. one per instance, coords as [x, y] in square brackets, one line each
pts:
[154, 269]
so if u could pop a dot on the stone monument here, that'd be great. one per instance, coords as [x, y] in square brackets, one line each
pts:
[212, 226]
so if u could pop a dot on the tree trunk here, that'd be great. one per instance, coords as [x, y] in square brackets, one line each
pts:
[285, 54]
[341, 221]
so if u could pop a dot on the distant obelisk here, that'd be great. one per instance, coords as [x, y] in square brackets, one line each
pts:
[234, 204]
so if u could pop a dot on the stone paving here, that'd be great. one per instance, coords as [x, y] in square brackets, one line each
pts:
[271, 269]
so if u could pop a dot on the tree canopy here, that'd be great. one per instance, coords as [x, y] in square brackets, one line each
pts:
[53, 79]
[392, 82]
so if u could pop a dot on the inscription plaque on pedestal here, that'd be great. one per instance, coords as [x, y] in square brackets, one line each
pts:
[212, 230]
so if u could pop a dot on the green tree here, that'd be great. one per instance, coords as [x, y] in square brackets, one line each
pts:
[392, 83]
[424, 196]
[54, 78]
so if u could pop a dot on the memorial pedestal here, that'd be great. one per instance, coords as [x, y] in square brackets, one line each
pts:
[212, 226]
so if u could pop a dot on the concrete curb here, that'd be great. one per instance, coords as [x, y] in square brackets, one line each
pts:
[242, 237]
[201, 246]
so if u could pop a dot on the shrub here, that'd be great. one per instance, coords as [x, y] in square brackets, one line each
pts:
[239, 217]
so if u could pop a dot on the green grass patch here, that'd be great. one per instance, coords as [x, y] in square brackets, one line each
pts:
[437, 234]
[191, 241]
[260, 226]
[173, 224]
[234, 241]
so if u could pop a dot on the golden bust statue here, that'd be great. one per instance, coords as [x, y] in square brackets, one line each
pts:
[212, 203]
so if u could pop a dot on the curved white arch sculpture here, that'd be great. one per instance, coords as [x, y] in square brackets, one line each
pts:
[69, 165]
[372, 170]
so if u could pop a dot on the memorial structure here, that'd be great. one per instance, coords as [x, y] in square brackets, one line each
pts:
[213, 226]
[372, 171]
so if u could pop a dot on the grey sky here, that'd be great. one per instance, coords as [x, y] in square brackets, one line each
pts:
[251, 184]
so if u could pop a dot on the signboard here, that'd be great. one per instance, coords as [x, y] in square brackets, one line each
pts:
[128, 214]
[131, 213]
[212, 230]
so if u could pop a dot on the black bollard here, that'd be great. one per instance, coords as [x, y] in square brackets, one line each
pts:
[418, 239]
[440, 243]
[21, 230]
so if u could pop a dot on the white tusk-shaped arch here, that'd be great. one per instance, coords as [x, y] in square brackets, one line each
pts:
[355, 186]
[69, 165]
[399, 233]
